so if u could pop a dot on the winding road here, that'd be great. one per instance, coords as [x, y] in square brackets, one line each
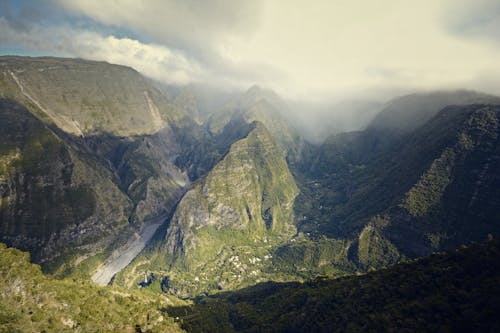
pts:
[125, 254]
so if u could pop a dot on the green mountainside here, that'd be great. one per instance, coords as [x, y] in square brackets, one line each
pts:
[88, 155]
[33, 302]
[84, 97]
[225, 228]
[93, 154]
[457, 291]
[53, 199]
[429, 190]
[426, 193]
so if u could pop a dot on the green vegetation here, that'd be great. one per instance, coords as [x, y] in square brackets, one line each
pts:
[455, 291]
[51, 192]
[33, 302]
[367, 200]
[428, 192]
[373, 249]
[85, 160]
[304, 258]
[435, 188]
[242, 209]
[107, 98]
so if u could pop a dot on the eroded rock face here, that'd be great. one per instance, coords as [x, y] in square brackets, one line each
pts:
[87, 155]
[250, 190]
[50, 197]
[451, 202]
[85, 97]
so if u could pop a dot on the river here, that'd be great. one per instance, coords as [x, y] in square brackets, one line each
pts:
[125, 254]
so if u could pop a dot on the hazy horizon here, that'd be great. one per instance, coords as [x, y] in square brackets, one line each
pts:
[316, 52]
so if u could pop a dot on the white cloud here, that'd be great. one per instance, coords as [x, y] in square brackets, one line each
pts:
[155, 61]
[189, 24]
[474, 19]
[303, 49]
[342, 46]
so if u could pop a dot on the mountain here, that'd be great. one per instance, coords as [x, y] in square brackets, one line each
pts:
[456, 291]
[258, 104]
[198, 101]
[407, 113]
[109, 176]
[33, 302]
[111, 153]
[224, 229]
[407, 196]
[88, 156]
[334, 171]
[444, 189]
[84, 97]
[51, 197]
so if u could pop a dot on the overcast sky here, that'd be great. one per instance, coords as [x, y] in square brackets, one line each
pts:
[309, 49]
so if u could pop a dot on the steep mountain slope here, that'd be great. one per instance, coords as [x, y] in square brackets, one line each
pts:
[257, 104]
[409, 112]
[456, 197]
[89, 155]
[79, 190]
[332, 172]
[52, 198]
[33, 302]
[251, 188]
[225, 228]
[198, 101]
[110, 106]
[85, 97]
[430, 190]
[456, 292]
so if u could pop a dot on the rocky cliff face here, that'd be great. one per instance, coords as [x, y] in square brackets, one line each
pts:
[395, 195]
[88, 155]
[434, 191]
[51, 197]
[227, 225]
[84, 97]
[251, 190]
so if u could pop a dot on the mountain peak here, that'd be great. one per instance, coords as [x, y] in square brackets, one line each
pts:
[256, 94]
[255, 88]
[407, 113]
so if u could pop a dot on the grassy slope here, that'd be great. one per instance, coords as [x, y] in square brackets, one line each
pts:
[50, 189]
[455, 291]
[59, 189]
[33, 302]
[225, 228]
[93, 96]
[433, 189]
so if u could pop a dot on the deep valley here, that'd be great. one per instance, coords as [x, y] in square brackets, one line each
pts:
[131, 196]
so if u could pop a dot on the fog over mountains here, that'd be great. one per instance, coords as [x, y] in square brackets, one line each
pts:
[177, 166]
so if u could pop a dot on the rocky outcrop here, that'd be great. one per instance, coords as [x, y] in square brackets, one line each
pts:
[251, 191]
[87, 155]
[52, 199]
[451, 202]
[226, 227]
[87, 97]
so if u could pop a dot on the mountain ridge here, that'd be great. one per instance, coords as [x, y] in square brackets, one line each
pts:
[242, 198]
